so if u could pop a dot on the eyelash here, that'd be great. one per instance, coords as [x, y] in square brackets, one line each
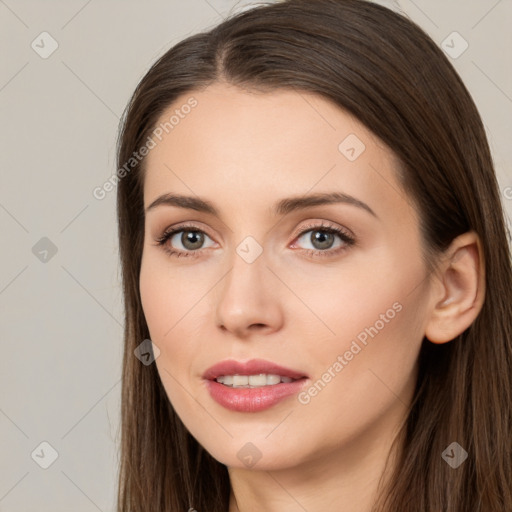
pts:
[348, 240]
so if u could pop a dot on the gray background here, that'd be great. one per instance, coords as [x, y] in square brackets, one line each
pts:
[61, 312]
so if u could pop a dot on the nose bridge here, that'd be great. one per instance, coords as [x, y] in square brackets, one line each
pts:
[245, 298]
[244, 282]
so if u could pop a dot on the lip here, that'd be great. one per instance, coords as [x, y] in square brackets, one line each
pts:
[252, 367]
[252, 399]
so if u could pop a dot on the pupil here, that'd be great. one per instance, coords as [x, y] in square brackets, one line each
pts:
[322, 238]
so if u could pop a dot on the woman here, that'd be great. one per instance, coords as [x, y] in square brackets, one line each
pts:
[312, 238]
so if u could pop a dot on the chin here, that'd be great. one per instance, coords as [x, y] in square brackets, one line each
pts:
[257, 455]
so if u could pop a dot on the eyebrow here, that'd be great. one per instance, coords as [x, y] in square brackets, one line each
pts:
[282, 207]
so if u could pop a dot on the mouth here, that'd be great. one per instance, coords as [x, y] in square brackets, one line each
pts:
[252, 386]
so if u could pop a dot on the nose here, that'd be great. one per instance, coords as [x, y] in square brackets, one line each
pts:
[248, 299]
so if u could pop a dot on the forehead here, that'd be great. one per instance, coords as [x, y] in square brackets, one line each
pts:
[271, 144]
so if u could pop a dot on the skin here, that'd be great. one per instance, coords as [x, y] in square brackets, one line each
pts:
[244, 151]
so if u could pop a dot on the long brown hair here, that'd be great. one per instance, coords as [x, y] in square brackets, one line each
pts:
[383, 69]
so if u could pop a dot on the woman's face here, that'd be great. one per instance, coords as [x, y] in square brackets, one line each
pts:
[333, 289]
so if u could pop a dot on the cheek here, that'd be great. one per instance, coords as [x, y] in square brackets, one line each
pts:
[371, 359]
[165, 307]
[165, 303]
[156, 299]
[168, 296]
[371, 314]
[344, 300]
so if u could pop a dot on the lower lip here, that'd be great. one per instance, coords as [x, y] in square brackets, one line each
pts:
[252, 399]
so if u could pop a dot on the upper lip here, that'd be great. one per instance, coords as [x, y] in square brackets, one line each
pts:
[251, 367]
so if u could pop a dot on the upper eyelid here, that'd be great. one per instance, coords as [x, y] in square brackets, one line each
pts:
[186, 227]
[312, 225]
[323, 224]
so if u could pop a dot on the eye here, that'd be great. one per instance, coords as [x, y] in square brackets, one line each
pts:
[190, 238]
[322, 237]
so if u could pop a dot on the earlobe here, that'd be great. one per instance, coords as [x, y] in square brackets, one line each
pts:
[460, 295]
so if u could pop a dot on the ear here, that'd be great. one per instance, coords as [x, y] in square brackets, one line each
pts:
[460, 291]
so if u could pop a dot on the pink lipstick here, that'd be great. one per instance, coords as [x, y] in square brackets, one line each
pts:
[252, 386]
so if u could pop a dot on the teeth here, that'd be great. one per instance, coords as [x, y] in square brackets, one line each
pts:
[273, 379]
[251, 381]
[259, 380]
[240, 380]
